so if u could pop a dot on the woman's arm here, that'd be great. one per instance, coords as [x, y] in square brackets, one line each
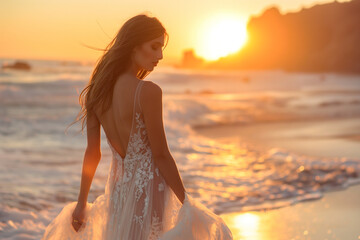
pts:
[91, 158]
[151, 104]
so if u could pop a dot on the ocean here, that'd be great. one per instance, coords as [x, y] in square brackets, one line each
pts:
[40, 162]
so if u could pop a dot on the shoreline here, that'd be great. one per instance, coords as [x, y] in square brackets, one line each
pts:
[324, 138]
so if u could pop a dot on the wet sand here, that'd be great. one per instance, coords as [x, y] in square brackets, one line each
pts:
[335, 216]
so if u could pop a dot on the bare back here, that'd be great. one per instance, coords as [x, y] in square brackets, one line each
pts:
[118, 119]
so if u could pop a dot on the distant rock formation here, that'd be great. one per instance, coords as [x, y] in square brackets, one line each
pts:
[322, 38]
[190, 60]
[18, 65]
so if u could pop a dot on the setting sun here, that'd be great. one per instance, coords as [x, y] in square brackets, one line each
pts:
[221, 36]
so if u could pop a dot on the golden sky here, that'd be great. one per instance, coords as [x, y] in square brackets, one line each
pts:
[50, 29]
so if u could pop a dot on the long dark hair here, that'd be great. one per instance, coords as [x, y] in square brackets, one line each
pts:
[116, 59]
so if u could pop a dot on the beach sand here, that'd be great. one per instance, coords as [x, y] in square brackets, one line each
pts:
[335, 216]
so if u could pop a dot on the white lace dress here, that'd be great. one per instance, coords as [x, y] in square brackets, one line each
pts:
[137, 203]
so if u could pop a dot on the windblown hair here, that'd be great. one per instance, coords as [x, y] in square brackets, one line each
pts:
[116, 59]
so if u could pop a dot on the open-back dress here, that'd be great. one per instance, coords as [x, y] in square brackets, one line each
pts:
[137, 203]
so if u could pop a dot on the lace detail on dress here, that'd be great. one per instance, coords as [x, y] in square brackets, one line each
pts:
[142, 153]
[143, 172]
[155, 231]
[160, 187]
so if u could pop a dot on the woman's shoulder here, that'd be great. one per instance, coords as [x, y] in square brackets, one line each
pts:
[151, 94]
[150, 90]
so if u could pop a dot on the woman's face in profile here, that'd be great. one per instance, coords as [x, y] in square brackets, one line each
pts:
[149, 53]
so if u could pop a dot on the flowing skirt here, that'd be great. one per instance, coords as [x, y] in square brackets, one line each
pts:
[193, 222]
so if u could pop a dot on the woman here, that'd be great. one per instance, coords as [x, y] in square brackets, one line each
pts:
[144, 196]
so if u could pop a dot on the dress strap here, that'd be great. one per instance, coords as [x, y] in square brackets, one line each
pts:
[137, 94]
